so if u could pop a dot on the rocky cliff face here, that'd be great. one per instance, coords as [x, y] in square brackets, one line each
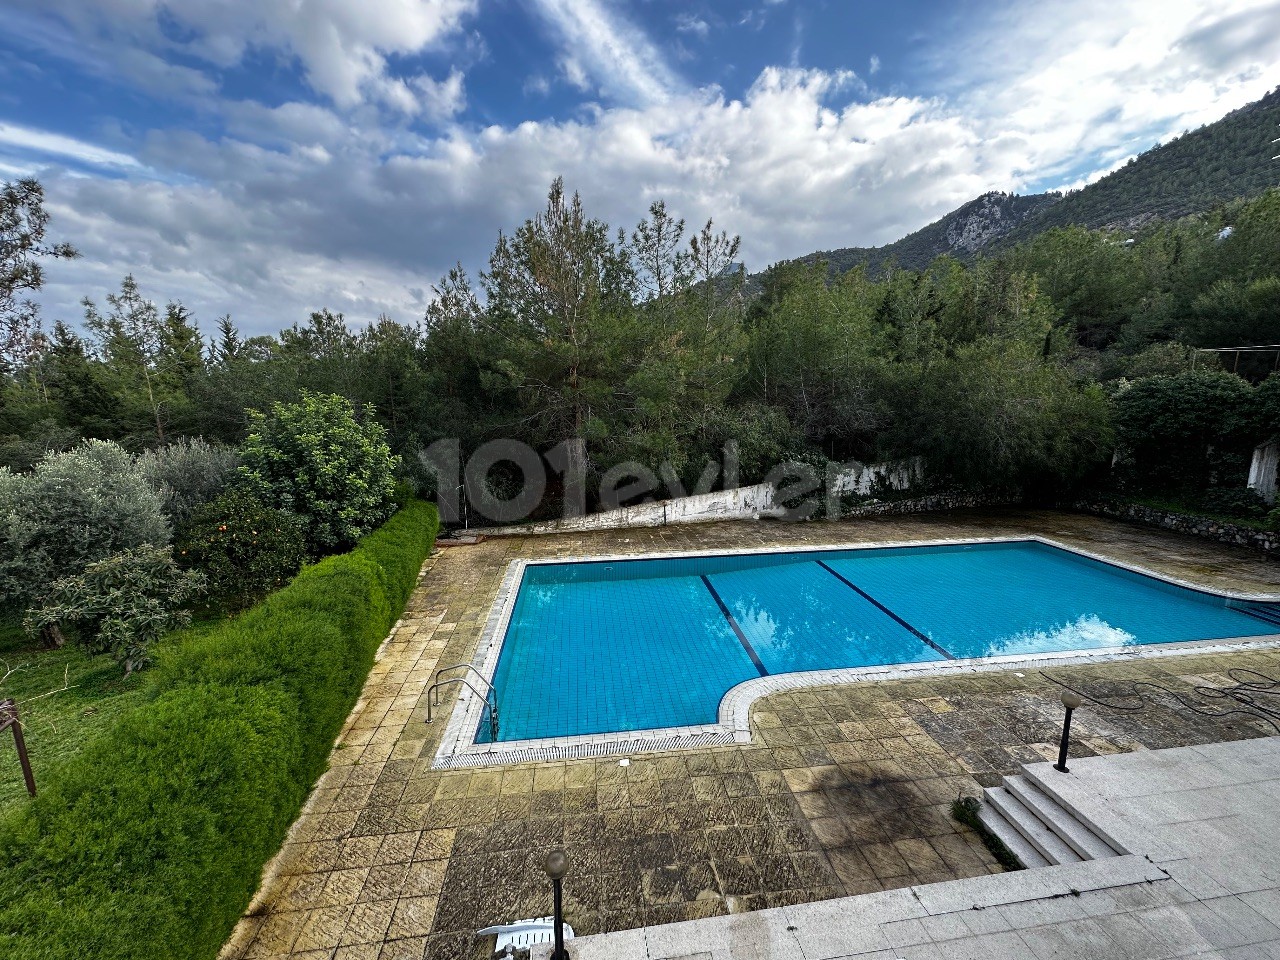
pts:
[962, 232]
[991, 216]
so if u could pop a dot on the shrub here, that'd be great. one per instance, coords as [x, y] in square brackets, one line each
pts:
[315, 459]
[121, 605]
[73, 509]
[1237, 502]
[150, 844]
[244, 547]
[188, 474]
[1181, 433]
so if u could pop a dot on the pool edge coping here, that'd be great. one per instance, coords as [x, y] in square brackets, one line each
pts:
[457, 749]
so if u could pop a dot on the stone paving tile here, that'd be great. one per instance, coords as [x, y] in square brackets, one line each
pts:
[843, 789]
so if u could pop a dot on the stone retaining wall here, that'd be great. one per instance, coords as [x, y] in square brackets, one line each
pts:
[1263, 540]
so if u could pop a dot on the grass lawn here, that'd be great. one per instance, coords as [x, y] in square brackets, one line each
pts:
[57, 722]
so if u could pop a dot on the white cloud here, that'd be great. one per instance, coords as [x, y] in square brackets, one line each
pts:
[42, 142]
[342, 47]
[874, 66]
[536, 86]
[1080, 78]
[615, 54]
[690, 23]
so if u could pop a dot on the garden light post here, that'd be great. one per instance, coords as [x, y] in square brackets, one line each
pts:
[557, 866]
[1071, 701]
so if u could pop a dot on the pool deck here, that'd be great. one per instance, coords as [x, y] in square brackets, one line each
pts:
[843, 790]
[1202, 880]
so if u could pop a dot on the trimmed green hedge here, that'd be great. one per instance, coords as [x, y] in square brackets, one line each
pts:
[151, 843]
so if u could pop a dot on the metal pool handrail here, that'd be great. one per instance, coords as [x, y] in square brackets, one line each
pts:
[489, 696]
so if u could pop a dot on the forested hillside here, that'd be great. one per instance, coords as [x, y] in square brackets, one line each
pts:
[1199, 170]
[1220, 162]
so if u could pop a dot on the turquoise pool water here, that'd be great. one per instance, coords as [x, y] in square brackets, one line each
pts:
[609, 646]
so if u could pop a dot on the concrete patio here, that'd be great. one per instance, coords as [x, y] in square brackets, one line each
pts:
[843, 790]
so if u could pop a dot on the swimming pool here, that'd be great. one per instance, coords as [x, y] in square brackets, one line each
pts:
[623, 645]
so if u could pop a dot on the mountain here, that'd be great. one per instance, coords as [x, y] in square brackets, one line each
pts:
[962, 232]
[1192, 173]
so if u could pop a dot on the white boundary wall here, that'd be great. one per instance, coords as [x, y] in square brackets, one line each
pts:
[740, 503]
[1263, 470]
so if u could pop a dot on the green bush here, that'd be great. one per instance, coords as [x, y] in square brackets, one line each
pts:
[244, 547]
[1233, 502]
[188, 474]
[315, 459]
[121, 605]
[1182, 433]
[151, 843]
[74, 508]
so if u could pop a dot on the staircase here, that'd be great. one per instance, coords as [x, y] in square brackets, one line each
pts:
[1037, 827]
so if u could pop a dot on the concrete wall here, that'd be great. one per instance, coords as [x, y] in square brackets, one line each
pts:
[1262, 471]
[740, 503]
[736, 504]
[863, 478]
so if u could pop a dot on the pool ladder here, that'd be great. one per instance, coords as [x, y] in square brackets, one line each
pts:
[489, 696]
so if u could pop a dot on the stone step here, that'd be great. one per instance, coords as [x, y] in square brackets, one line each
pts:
[1076, 834]
[1033, 830]
[994, 821]
[1062, 789]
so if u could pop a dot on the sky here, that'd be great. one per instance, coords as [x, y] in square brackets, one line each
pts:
[266, 158]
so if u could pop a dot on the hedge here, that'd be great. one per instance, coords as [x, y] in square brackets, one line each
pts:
[152, 841]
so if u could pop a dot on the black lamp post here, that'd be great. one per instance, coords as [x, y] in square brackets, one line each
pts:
[557, 866]
[1071, 701]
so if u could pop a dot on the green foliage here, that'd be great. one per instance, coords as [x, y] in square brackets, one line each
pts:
[187, 474]
[74, 508]
[150, 843]
[1001, 416]
[1186, 432]
[121, 605]
[23, 252]
[965, 810]
[314, 459]
[244, 547]
[818, 354]
[21, 452]
[1160, 360]
[650, 346]
[152, 363]
[1233, 502]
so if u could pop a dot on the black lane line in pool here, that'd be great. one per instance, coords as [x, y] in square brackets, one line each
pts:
[742, 637]
[1264, 614]
[897, 619]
